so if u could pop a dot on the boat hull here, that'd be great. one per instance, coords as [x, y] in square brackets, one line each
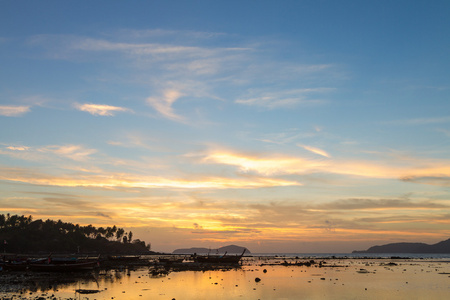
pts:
[73, 267]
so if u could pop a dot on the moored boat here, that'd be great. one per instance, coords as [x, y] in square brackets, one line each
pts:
[124, 257]
[170, 260]
[63, 267]
[15, 266]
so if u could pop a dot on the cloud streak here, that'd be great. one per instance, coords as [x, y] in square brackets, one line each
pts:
[284, 98]
[282, 164]
[315, 150]
[421, 121]
[120, 180]
[13, 111]
[189, 60]
[163, 104]
[100, 109]
[48, 153]
[74, 152]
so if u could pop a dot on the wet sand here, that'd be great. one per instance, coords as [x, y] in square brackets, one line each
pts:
[256, 278]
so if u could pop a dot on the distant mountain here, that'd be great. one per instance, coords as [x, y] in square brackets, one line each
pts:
[441, 247]
[231, 249]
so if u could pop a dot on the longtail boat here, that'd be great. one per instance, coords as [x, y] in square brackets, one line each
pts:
[58, 267]
[124, 257]
[63, 264]
[15, 266]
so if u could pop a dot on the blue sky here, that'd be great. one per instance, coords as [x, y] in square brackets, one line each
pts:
[298, 126]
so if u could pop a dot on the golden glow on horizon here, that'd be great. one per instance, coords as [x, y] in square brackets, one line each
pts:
[195, 209]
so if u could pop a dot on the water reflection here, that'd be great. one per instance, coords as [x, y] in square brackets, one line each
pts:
[264, 279]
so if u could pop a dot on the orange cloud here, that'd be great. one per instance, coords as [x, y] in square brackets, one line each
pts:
[75, 152]
[315, 150]
[266, 166]
[100, 109]
[131, 181]
[279, 164]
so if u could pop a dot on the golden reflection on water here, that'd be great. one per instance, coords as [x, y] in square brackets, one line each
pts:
[378, 280]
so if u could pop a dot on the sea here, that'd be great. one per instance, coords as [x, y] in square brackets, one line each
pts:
[356, 255]
[369, 276]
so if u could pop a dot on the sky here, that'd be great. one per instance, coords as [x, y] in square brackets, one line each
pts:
[281, 126]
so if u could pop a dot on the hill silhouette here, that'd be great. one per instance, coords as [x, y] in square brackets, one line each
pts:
[441, 247]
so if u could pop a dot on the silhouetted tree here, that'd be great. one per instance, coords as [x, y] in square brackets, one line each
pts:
[25, 235]
[2, 221]
[108, 233]
[120, 232]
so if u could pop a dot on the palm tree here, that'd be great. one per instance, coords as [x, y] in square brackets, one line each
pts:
[120, 232]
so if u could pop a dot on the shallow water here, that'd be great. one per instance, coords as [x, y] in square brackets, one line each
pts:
[408, 279]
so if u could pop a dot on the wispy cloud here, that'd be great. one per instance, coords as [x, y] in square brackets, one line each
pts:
[13, 111]
[166, 60]
[18, 148]
[431, 180]
[120, 180]
[138, 140]
[48, 153]
[446, 132]
[74, 152]
[315, 150]
[163, 104]
[264, 165]
[284, 98]
[88, 44]
[282, 164]
[287, 137]
[421, 121]
[100, 109]
[159, 50]
[155, 33]
[380, 204]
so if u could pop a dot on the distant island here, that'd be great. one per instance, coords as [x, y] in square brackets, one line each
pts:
[441, 247]
[231, 249]
[22, 234]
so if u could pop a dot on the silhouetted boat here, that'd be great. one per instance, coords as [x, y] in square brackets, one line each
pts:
[124, 257]
[15, 266]
[63, 267]
[84, 291]
[170, 260]
[218, 259]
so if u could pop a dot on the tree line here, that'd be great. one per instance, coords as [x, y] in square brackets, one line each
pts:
[21, 233]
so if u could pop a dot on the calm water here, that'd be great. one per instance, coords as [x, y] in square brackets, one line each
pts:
[358, 255]
[340, 279]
